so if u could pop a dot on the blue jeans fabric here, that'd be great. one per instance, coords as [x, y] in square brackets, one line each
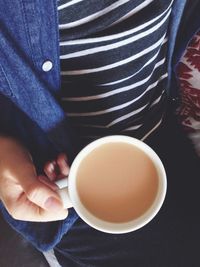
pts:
[171, 239]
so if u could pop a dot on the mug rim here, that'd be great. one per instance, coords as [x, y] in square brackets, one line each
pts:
[110, 227]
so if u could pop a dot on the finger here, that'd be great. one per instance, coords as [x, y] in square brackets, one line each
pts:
[50, 170]
[63, 165]
[47, 182]
[63, 193]
[25, 210]
[41, 195]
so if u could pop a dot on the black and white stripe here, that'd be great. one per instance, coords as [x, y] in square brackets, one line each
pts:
[113, 65]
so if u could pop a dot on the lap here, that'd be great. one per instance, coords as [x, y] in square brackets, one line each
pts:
[170, 240]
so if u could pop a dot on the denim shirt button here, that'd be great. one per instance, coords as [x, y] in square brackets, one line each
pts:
[47, 65]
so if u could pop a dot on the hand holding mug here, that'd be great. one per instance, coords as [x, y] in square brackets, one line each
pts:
[116, 184]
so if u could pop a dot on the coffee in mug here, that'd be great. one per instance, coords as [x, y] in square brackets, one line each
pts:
[116, 184]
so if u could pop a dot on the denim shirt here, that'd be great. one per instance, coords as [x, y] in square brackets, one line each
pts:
[29, 106]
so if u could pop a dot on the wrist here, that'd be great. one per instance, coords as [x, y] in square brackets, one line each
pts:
[15, 159]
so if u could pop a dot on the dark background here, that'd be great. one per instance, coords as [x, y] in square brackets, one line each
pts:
[15, 251]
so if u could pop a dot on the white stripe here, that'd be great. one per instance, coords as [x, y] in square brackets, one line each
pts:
[134, 11]
[132, 128]
[89, 125]
[152, 130]
[116, 64]
[94, 15]
[131, 76]
[103, 127]
[157, 99]
[116, 91]
[115, 45]
[101, 112]
[126, 78]
[142, 139]
[69, 4]
[126, 116]
[114, 36]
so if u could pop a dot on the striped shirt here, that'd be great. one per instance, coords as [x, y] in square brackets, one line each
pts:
[113, 65]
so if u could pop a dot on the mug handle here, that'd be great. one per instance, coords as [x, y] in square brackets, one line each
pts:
[63, 192]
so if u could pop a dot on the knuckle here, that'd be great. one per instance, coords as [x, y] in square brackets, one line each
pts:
[32, 192]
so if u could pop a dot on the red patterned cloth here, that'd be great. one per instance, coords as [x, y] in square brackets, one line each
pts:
[188, 72]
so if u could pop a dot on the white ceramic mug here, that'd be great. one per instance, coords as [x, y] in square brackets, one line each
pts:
[68, 188]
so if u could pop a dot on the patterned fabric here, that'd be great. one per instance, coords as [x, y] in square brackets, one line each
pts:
[113, 65]
[188, 72]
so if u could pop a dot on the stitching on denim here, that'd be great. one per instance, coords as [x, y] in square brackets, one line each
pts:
[28, 37]
[55, 10]
[8, 83]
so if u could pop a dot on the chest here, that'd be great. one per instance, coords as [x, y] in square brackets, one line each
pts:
[81, 18]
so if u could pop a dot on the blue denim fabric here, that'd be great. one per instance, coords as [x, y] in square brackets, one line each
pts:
[28, 95]
[29, 110]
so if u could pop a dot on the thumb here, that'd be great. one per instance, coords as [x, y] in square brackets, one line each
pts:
[42, 195]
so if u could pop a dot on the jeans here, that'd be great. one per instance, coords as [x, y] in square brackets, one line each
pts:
[171, 239]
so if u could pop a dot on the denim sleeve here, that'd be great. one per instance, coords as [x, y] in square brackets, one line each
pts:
[13, 122]
[44, 236]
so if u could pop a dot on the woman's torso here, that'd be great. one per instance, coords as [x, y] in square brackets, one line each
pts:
[113, 65]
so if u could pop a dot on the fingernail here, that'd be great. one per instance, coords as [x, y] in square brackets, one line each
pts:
[52, 204]
[51, 167]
